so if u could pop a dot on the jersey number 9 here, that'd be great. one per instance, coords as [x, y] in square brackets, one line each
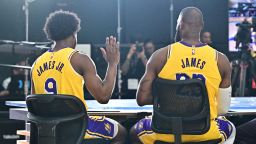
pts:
[50, 86]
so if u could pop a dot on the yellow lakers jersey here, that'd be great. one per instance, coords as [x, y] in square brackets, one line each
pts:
[52, 73]
[195, 62]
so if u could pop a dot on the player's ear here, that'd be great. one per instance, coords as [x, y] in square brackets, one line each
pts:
[182, 25]
[202, 24]
[74, 36]
[177, 36]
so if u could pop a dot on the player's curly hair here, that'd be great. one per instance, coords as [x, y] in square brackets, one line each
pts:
[61, 24]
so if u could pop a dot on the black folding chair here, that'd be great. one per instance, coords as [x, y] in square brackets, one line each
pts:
[181, 107]
[56, 119]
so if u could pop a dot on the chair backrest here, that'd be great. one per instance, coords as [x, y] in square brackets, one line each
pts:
[180, 107]
[56, 119]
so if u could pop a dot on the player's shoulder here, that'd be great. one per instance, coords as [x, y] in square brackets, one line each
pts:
[222, 57]
[39, 59]
[158, 59]
[165, 51]
[223, 63]
[160, 52]
[80, 57]
[80, 60]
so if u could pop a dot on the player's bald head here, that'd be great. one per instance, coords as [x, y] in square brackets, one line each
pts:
[191, 15]
[190, 21]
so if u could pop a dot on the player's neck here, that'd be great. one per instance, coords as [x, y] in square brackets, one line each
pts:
[61, 45]
[192, 41]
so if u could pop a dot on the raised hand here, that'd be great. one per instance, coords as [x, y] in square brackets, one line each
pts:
[112, 53]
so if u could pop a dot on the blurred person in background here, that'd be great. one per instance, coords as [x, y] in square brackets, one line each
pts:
[244, 33]
[3, 92]
[14, 85]
[207, 39]
[133, 67]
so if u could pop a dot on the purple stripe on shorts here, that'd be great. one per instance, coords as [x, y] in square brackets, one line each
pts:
[143, 125]
[101, 127]
[225, 127]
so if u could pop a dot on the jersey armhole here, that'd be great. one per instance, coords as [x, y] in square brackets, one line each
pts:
[69, 59]
[216, 59]
[216, 56]
[169, 52]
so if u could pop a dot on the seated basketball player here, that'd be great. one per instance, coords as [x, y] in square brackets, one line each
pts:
[189, 57]
[63, 70]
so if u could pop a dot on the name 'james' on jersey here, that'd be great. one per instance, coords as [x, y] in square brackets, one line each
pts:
[52, 73]
[196, 62]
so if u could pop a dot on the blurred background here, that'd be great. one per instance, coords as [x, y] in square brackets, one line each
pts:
[140, 20]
